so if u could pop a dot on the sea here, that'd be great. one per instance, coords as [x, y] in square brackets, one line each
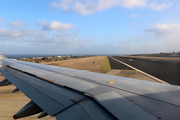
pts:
[17, 56]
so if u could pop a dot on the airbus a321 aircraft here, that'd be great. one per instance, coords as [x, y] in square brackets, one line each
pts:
[69, 94]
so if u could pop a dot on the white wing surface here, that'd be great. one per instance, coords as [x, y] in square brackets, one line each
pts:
[74, 94]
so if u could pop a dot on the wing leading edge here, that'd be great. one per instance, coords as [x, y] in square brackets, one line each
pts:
[59, 91]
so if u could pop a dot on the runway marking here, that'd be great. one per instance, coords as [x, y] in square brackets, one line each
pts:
[137, 72]
[157, 79]
[11, 96]
[131, 60]
[130, 76]
[154, 59]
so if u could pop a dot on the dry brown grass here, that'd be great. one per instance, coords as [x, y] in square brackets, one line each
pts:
[1, 78]
[93, 64]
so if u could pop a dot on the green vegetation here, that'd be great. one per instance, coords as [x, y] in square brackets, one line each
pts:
[170, 54]
[50, 59]
[105, 65]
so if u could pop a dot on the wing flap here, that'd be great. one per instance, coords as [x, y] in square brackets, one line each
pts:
[160, 109]
[122, 107]
[85, 110]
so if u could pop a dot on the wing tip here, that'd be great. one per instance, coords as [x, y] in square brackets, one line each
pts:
[15, 117]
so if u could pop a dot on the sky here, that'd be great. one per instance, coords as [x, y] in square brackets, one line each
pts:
[89, 26]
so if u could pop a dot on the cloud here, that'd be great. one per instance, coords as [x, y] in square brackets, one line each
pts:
[132, 3]
[137, 38]
[155, 6]
[6, 32]
[45, 37]
[1, 19]
[41, 22]
[110, 35]
[63, 40]
[165, 31]
[17, 24]
[124, 41]
[178, 5]
[131, 39]
[37, 37]
[31, 32]
[17, 35]
[86, 7]
[134, 15]
[56, 26]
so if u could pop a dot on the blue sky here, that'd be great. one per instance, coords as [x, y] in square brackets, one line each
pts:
[89, 26]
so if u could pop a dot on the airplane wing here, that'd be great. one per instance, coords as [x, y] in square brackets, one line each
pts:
[72, 94]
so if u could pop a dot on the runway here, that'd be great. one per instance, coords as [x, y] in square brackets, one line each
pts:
[165, 70]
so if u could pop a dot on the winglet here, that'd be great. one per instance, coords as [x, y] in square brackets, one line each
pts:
[15, 117]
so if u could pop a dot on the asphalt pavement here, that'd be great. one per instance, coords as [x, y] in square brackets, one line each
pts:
[116, 65]
[168, 71]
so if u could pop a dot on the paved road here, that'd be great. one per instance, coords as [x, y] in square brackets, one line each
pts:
[116, 65]
[165, 70]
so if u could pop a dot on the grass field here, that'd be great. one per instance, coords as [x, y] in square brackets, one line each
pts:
[105, 65]
[99, 64]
